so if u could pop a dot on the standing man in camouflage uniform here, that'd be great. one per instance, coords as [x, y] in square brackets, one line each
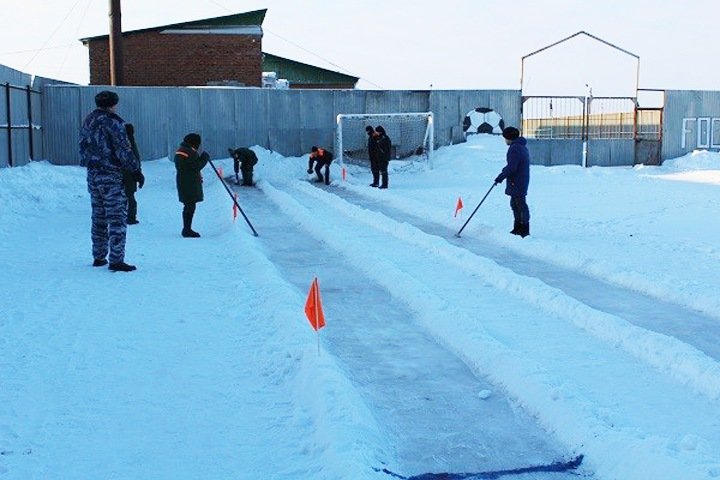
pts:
[105, 150]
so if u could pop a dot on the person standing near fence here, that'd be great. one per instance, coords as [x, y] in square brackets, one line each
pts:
[373, 155]
[384, 153]
[517, 173]
[188, 163]
[132, 181]
[106, 151]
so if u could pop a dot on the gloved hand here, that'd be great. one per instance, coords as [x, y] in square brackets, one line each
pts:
[140, 179]
[309, 170]
[498, 180]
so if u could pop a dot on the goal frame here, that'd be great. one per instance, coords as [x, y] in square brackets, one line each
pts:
[428, 140]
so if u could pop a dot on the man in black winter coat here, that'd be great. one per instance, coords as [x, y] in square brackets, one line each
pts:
[132, 180]
[323, 158]
[517, 173]
[384, 153]
[373, 155]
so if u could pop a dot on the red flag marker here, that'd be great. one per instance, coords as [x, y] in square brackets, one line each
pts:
[313, 307]
[459, 206]
[220, 172]
[344, 174]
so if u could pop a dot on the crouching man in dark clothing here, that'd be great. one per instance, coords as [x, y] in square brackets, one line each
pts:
[244, 160]
[105, 150]
[323, 158]
[517, 173]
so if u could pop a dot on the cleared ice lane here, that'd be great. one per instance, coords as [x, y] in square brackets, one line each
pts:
[689, 326]
[428, 400]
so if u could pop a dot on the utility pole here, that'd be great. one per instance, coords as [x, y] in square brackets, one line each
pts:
[116, 64]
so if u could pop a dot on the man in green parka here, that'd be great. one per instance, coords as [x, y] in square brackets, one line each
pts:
[188, 164]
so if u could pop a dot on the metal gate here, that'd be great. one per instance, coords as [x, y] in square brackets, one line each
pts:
[604, 131]
[20, 139]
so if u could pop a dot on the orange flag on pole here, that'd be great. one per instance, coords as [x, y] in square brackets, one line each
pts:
[459, 206]
[344, 174]
[313, 307]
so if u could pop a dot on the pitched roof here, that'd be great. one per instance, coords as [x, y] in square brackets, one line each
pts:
[297, 72]
[254, 18]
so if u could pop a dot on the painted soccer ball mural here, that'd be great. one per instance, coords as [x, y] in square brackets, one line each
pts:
[483, 120]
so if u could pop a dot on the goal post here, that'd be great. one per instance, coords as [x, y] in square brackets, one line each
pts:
[412, 135]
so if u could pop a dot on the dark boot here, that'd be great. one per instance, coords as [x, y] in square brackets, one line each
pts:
[376, 179]
[524, 230]
[100, 262]
[384, 177]
[516, 228]
[121, 267]
[187, 230]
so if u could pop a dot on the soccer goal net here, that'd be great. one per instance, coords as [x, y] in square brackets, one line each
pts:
[411, 135]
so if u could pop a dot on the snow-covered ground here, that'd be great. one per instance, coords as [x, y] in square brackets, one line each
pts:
[598, 335]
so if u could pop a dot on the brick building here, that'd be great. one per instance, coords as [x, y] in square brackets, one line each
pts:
[213, 51]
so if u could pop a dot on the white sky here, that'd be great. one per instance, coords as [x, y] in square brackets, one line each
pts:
[408, 44]
[597, 335]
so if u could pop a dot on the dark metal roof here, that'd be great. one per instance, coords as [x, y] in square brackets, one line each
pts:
[297, 72]
[239, 19]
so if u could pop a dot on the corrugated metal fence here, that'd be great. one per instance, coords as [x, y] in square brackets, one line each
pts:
[20, 119]
[286, 121]
[291, 121]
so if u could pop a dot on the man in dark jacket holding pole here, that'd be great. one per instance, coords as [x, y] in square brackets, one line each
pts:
[188, 164]
[105, 150]
[517, 173]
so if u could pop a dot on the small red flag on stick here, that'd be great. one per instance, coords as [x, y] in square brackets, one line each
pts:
[313, 307]
[459, 206]
[344, 174]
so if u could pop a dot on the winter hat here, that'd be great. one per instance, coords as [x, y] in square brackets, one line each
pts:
[511, 133]
[369, 129]
[106, 99]
[380, 130]
[192, 139]
[314, 149]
